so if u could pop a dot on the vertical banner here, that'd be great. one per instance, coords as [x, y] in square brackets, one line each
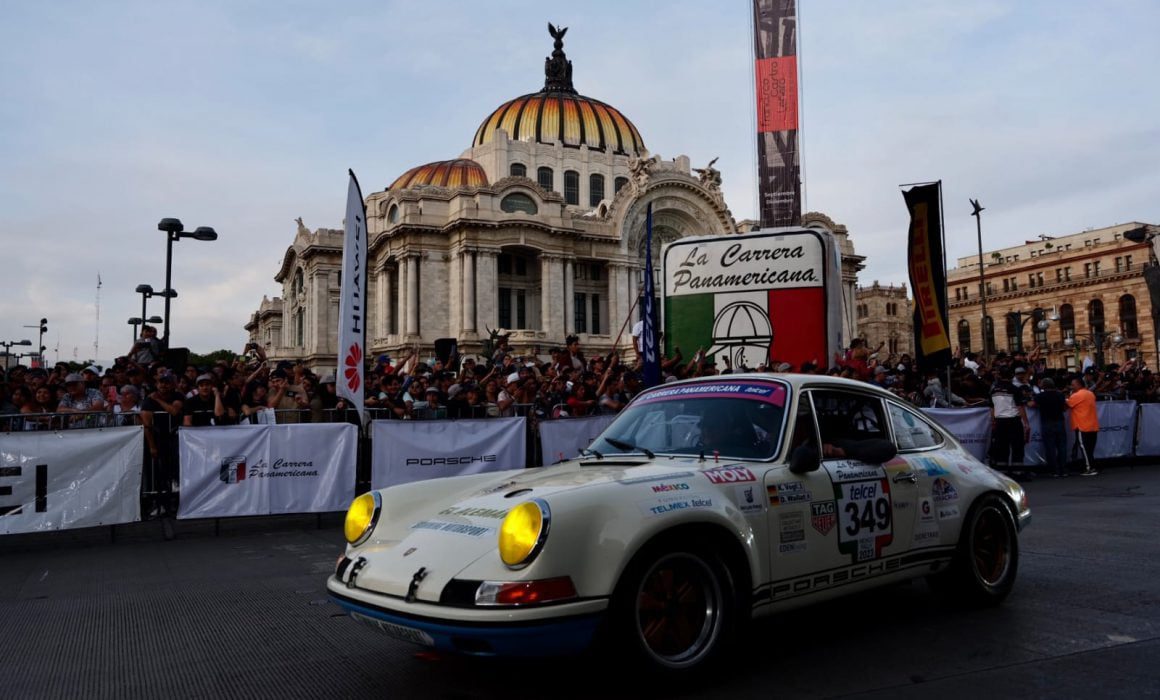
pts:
[776, 72]
[352, 302]
[648, 341]
[1117, 428]
[415, 450]
[932, 345]
[266, 470]
[74, 478]
[1148, 430]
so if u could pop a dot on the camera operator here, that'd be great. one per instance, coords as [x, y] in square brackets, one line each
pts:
[289, 400]
[147, 349]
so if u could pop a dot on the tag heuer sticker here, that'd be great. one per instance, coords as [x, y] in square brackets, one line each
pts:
[823, 516]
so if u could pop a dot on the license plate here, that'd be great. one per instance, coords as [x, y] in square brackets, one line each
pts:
[400, 632]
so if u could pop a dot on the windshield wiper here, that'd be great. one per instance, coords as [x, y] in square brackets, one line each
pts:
[588, 451]
[625, 445]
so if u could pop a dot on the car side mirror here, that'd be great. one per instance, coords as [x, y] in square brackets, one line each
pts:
[804, 459]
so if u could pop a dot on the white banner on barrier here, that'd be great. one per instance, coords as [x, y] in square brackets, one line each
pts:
[1117, 428]
[70, 479]
[970, 426]
[267, 469]
[1148, 444]
[414, 450]
[564, 438]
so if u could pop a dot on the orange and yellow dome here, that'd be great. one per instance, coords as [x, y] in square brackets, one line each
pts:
[563, 117]
[452, 174]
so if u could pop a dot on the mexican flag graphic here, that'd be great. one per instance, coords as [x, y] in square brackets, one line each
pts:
[757, 299]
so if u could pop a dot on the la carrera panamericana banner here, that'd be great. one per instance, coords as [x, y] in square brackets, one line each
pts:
[267, 469]
[412, 450]
[70, 479]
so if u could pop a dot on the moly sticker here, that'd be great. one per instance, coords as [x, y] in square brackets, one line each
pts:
[943, 491]
[748, 499]
[734, 474]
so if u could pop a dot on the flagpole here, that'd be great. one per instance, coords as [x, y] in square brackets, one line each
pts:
[946, 282]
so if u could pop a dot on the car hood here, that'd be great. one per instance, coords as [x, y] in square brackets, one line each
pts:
[445, 535]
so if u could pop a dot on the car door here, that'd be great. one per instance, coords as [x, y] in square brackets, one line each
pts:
[921, 446]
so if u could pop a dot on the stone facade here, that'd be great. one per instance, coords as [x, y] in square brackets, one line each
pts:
[885, 314]
[1090, 286]
[453, 256]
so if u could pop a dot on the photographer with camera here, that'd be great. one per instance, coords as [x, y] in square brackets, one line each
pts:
[288, 400]
[147, 349]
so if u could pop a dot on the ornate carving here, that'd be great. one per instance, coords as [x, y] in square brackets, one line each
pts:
[640, 170]
[302, 230]
[710, 176]
[557, 68]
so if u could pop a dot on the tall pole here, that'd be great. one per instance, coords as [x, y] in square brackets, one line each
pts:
[982, 280]
[169, 237]
[143, 316]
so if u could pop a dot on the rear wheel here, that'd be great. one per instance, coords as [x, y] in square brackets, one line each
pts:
[675, 608]
[987, 558]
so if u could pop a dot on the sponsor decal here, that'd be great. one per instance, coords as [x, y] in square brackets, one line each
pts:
[791, 527]
[455, 528]
[948, 512]
[450, 461]
[902, 505]
[496, 513]
[670, 504]
[823, 516]
[925, 511]
[410, 551]
[943, 491]
[237, 469]
[729, 475]
[769, 393]
[747, 499]
[815, 581]
[925, 536]
[788, 492]
[661, 488]
[965, 468]
[865, 510]
[850, 470]
[930, 466]
[654, 477]
[791, 548]
[497, 488]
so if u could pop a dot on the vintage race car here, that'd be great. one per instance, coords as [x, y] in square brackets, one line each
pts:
[704, 504]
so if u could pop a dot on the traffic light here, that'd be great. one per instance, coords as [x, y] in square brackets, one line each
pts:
[43, 326]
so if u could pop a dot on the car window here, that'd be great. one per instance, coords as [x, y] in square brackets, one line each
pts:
[849, 416]
[911, 432]
[805, 430]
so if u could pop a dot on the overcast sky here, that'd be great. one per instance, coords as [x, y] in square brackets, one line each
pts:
[243, 115]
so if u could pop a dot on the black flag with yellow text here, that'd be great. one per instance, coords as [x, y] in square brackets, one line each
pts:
[932, 343]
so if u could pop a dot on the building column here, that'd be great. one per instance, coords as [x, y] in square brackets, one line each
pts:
[383, 301]
[551, 289]
[401, 300]
[468, 264]
[487, 284]
[413, 295]
[569, 297]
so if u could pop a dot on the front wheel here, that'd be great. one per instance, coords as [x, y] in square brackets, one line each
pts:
[987, 558]
[674, 608]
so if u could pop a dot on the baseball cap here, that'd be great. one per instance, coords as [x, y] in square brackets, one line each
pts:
[205, 378]
[94, 369]
[328, 379]
[74, 377]
[432, 390]
[166, 377]
[1020, 369]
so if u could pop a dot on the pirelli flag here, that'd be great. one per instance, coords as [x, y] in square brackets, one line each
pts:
[776, 71]
[927, 275]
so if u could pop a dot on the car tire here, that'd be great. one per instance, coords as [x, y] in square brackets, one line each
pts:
[675, 609]
[987, 558]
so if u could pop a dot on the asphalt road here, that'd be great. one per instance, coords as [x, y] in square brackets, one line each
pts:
[244, 614]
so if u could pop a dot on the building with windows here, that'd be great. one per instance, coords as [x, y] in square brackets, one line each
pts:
[884, 314]
[537, 230]
[1076, 296]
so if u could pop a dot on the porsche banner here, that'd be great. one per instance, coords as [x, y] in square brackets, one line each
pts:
[406, 451]
[927, 276]
[776, 71]
[970, 426]
[563, 439]
[267, 469]
[70, 479]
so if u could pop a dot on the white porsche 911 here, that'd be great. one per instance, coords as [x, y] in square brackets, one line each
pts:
[706, 503]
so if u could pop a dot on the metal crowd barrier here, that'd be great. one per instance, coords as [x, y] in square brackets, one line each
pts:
[20, 422]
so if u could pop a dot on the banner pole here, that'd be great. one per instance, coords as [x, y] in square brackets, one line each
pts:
[942, 224]
[626, 320]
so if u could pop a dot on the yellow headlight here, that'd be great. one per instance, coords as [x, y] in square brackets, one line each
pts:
[522, 533]
[361, 517]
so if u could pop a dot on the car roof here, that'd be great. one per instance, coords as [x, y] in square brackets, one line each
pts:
[796, 381]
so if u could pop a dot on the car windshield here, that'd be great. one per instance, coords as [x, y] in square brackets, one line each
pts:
[739, 419]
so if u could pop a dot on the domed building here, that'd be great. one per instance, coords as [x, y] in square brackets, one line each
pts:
[536, 230]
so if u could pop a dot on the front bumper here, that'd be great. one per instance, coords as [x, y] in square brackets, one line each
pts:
[555, 630]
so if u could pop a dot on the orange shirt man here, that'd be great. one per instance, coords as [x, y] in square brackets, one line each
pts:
[1084, 422]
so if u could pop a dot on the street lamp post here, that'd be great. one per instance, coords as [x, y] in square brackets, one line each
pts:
[1042, 322]
[175, 231]
[982, 280]
[1098, 338]
[8, 344]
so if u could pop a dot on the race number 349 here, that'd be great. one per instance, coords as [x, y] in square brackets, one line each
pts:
[865, 510]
